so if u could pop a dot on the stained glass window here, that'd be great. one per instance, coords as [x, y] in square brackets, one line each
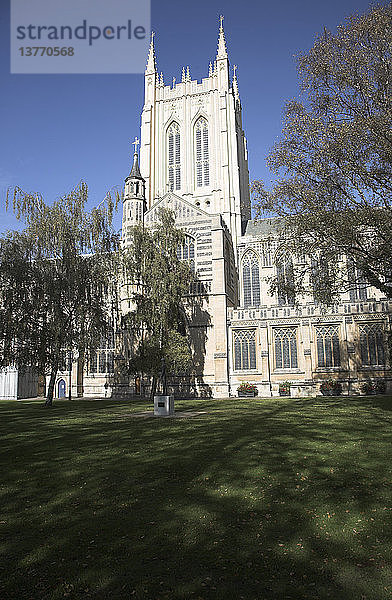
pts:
[286, 348]
[174, 157]
[371, 339]
[251, 279]
[244, 349]
[202, 153]
[328, 349]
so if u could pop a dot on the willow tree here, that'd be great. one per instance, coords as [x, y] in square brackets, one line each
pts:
[158, 284]
[333, 164]
[57, 290]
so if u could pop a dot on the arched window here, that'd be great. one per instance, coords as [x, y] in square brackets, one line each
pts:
[201, 153]
[187, 251]
[102, 359]
[285, 280]
[244, 349]
[328, 350]
[371, 339]
[174, 157]
[251, 279]
[286, 348]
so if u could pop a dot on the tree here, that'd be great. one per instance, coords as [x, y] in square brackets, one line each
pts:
[333, 165]
[56, 281]
[158, 282]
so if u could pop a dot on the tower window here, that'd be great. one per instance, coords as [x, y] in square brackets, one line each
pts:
[251, 280]
[174, 157]
[201, 152]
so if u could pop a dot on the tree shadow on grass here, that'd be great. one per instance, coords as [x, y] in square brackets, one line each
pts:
[286, 500]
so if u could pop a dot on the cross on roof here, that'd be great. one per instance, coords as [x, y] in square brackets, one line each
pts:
[221, 21]
[135, 143]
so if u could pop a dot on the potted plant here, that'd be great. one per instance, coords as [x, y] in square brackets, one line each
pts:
[369, 388]
[247, 390]
[330, 387]
[284, 388]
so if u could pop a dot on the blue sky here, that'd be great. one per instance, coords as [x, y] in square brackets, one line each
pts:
[58, 129]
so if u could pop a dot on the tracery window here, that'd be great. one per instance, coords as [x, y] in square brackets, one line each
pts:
[202, 153]
[285, 279]
[174, 156]
[328, 349]
[371, 339]
[251, 279]
[187, 251]
[286, 348]
[244, 349]
[102, 360]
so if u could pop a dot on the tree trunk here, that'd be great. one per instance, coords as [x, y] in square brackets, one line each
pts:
[49, 397]
[153, 388]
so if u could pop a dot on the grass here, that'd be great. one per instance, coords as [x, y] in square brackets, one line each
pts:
[276, 499]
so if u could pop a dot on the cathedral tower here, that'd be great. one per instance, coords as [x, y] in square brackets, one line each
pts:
[192, 142]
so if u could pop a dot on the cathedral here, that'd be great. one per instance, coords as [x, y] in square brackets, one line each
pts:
[194, 160]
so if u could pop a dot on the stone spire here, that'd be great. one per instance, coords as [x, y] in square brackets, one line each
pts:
[151, 66]
[135, 171]
[222, 50]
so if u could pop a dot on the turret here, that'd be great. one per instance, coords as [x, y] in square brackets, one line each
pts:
[134, 194]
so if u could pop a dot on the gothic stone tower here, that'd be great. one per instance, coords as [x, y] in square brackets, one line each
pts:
[192, 142]
[193, 160]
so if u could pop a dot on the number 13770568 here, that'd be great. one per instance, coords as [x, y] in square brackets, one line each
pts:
[46, 51]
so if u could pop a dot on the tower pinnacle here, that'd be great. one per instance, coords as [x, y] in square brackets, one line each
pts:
[151, 66]
[222, 50]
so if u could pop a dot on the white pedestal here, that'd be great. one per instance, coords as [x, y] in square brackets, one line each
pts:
[163, 406]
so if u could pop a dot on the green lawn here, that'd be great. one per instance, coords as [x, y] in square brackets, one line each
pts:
[276, 499]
